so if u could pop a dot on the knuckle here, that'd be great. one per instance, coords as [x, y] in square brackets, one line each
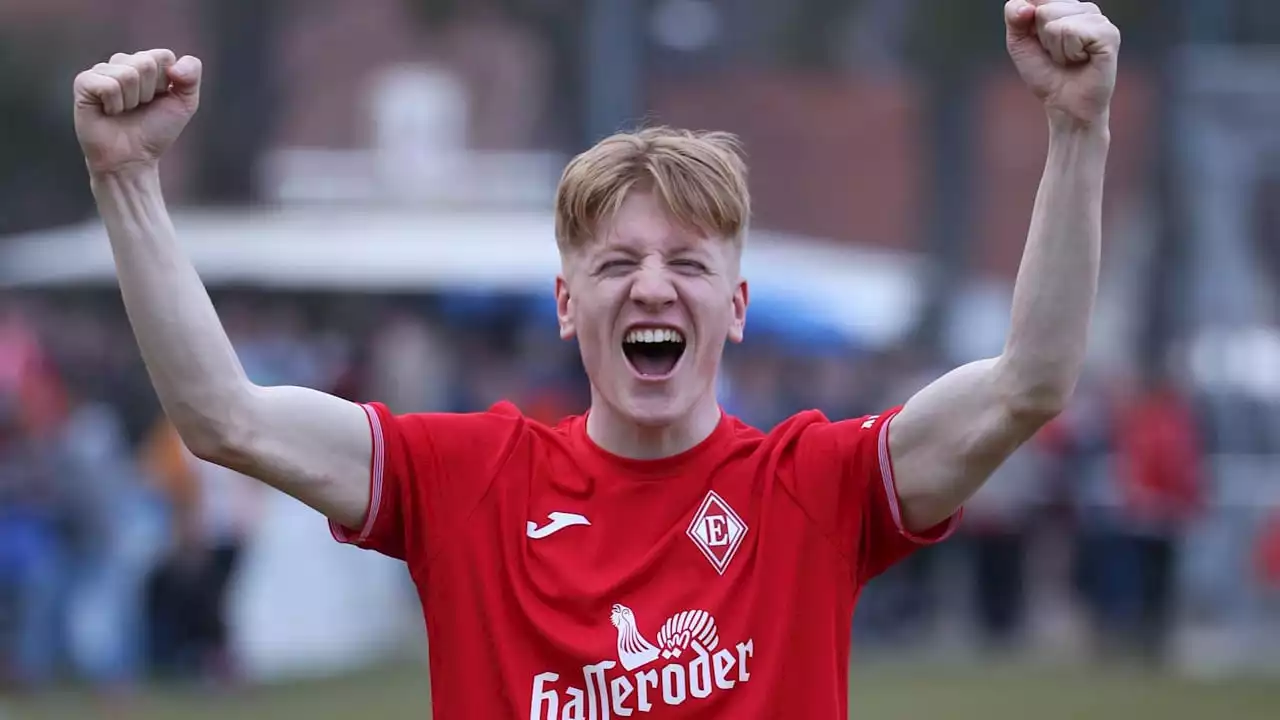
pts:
[161, 58]
[144, 61]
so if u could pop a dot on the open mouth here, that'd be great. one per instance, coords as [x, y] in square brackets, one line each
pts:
[653, 352]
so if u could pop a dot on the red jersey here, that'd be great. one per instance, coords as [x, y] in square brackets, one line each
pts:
[560, 581]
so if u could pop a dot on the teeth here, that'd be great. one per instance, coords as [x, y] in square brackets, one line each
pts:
[654, 336]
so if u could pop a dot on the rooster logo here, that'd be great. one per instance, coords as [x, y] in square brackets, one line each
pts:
[681, 629]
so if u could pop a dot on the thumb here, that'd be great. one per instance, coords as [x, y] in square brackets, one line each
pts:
[185, 76]
[1019, 19]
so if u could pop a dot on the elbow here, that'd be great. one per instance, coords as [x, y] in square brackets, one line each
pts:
[1033, 400]
[1035, 406]
[216, 432]
[209, 445]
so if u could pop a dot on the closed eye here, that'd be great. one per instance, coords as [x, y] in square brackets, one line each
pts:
[690, 266]
[613, 266]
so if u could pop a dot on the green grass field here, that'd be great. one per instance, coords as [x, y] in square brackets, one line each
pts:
[880, 692]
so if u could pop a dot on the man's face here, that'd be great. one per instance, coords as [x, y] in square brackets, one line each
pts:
[651, 304]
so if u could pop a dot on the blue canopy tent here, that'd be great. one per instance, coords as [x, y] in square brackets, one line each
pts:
[808, 293]
[771, 313]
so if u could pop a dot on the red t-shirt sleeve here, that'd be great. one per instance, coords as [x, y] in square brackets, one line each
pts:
[427, 473]
[842, 476]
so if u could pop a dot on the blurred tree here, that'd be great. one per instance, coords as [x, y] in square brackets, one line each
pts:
[949, 49]
[1185, 22]
[42, 174]
[240, 98]
[953, 49]
[614, 60]
[947, 31]
[1166, 276]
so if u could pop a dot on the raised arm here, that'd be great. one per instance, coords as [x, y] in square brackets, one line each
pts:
[953, 434]
[310, 445]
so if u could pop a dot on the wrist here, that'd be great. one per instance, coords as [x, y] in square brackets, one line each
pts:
[1066, 126]
[129, 193]
[130, 172]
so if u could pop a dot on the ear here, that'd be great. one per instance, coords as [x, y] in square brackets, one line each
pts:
[564, 309]
[737, 328]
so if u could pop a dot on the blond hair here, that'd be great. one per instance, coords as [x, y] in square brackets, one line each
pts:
[701, 178]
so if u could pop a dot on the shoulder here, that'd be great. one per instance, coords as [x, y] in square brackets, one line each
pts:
[797, 424]
[812, 443]
[500, 419]
[814, 425]
[478, 436]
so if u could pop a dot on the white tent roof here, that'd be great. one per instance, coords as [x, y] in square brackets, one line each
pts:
[869, 294]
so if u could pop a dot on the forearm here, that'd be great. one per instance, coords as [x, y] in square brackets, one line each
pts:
[192, 364]
[1057, 282]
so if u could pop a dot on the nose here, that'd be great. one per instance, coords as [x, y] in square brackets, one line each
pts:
[652, 289]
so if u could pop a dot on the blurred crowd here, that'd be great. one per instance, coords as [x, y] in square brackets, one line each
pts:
[118, 548]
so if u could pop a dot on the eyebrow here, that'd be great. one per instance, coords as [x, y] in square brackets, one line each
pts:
[610, 247]
[676, 247]
[698, 248]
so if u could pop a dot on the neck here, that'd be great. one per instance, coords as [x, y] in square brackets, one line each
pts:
[622, 436]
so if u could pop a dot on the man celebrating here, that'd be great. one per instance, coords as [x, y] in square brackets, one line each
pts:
[654, 554]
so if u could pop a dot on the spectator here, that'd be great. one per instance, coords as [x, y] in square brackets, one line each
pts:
[998, 528]
[116, 531]
[1159, 472]
[32, 550]
[1267, 554]
[211, 510]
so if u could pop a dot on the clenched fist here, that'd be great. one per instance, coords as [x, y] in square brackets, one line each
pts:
[128, 111]
[1066, 52]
